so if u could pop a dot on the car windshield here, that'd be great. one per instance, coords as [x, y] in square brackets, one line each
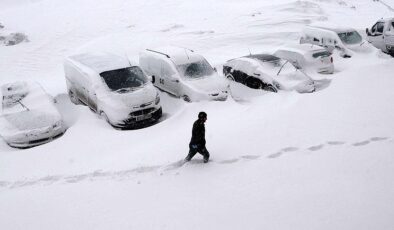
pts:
[196, 69]
[351, 37]
[274, 66]
[323, 53]
[127, 78]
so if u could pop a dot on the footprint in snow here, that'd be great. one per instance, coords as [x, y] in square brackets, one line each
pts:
[275, 155]
[361, 143]
[336, 142]
[231, 161]
[378, 138]
[250, 157]
[316, 147]
[289, 149]
[174, 165]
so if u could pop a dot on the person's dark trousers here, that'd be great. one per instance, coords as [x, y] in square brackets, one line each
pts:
[193, 149]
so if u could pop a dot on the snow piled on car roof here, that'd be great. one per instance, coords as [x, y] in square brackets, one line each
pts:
[100, 61]
[301, 48]
[179, 55]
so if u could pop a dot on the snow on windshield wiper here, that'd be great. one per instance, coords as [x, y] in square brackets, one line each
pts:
[281, 68]
[24, 106]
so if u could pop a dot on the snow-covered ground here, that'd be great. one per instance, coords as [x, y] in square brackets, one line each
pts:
[279, 161]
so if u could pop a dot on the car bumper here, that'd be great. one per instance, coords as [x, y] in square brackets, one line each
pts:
[218, 96]
[326, 70]
[34, 142]
[140, 121]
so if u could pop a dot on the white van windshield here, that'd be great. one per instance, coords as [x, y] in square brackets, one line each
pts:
[350, 38]
[196, 69]
[123, 79]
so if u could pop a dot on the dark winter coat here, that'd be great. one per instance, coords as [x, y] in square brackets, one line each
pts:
[198, 134]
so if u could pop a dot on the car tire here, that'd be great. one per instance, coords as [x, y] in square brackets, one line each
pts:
[105, 117]
[73, 97]
[186, 98]
[270, 88]
[230, 77]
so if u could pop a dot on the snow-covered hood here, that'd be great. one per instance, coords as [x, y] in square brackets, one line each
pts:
[131, 98]
[209, 84]
[28, 125]
[118, 105]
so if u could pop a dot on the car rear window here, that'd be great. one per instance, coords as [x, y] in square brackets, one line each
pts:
[321, 54]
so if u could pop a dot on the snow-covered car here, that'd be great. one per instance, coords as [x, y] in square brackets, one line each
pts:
[267, 72]
[183, 73]
[113, 88]
[381, 35]
[307, 57]
[28, 116]
[346, 40]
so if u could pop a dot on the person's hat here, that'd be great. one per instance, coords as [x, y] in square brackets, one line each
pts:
[202, 115]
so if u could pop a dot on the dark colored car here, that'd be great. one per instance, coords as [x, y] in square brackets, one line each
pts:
[267, 72]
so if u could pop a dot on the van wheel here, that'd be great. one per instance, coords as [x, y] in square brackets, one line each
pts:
[186, 98]
[230, 77]
[105, 117]
[73, 97]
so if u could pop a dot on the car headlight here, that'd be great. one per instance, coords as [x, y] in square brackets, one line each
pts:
[157, 100]
[57, 125]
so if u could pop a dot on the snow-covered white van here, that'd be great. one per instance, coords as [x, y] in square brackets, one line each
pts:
[381, 35]
[183, 73]
[346, 40]
[112, 87]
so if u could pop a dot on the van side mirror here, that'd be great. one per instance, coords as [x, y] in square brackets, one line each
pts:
[152, 79]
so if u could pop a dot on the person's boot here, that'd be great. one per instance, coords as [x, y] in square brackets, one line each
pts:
[188, 158]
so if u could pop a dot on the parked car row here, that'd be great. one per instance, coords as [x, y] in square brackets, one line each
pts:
[126, 94]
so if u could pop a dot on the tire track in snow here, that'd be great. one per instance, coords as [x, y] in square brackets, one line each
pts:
[162, 169]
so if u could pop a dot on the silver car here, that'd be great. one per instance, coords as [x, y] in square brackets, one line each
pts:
[28, 116]
[308, 57]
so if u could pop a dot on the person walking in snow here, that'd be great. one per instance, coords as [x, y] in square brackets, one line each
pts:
[197, 142]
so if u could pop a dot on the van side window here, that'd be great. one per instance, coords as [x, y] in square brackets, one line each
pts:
[378, 27]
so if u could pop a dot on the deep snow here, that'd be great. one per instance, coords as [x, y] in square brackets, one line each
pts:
[279, 161]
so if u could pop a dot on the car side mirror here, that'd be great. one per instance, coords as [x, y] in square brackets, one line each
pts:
[367, 32]
[152, 78]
